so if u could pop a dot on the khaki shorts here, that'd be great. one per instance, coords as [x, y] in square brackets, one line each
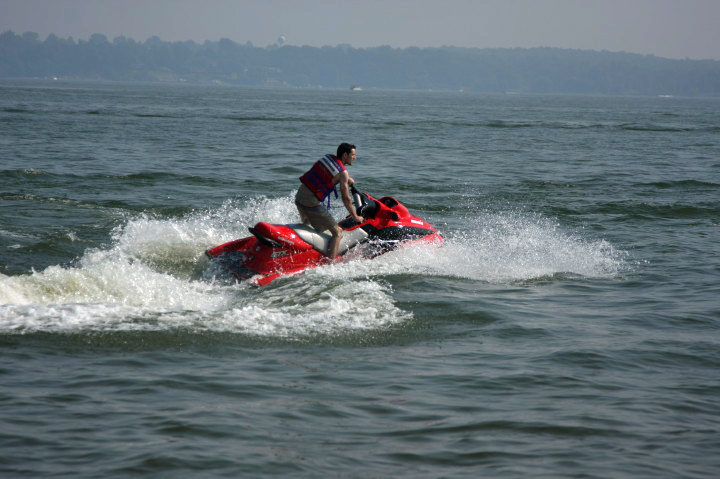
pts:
[312, 211]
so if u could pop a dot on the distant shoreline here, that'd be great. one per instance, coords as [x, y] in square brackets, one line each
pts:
[516, 70]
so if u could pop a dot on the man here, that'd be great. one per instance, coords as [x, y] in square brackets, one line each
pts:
[318, 183]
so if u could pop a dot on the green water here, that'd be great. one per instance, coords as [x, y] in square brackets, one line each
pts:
[568, 327]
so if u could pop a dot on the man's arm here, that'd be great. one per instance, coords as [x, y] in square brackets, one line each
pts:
[344, 181]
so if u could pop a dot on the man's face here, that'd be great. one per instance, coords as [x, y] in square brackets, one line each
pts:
[349, 158]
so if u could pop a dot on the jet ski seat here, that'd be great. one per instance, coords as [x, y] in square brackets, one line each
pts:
[320, 241]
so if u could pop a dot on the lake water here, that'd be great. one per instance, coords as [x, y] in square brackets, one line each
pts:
[569, 326]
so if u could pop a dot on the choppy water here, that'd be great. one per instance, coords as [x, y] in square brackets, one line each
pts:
[568, 327]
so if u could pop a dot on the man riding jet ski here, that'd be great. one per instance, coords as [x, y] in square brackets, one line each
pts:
[317, 184]
[277, 250]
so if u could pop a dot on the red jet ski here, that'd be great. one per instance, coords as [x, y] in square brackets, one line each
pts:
[278, 250]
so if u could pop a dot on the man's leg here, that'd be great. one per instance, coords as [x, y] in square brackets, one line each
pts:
[336, 233]
[303, 217]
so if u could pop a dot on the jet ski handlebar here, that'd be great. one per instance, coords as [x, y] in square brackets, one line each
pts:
[364, 206]
[357, 198]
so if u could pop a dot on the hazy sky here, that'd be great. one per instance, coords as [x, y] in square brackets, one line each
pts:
[666, 28]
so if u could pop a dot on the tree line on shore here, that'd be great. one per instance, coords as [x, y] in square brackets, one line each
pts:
[521, 70]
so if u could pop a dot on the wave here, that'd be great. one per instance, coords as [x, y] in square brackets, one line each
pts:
[653, 128]
[644, 211]
[109, 112]
[142, 177]
[289, 119]
[683, 184]
[507, 248]
[152, 277]
[25, 172]
[17, 110]
[156, 115]
[575, 125]
[551, 125]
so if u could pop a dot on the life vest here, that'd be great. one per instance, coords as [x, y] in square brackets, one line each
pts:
[319, 178]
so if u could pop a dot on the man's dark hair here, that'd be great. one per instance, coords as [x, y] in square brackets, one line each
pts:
[344, 148]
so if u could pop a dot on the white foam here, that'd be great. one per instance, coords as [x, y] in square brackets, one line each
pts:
[513, 246]
[309, 307]
[150, 276]
[499, 248]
